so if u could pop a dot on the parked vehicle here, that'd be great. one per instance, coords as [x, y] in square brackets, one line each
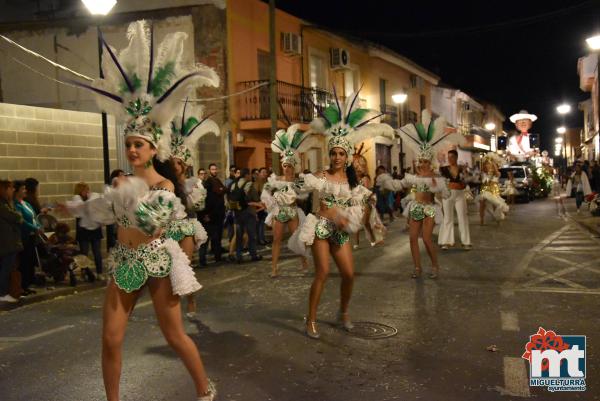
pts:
[522, 180]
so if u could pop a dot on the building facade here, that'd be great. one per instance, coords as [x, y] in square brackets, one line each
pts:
[587, 68]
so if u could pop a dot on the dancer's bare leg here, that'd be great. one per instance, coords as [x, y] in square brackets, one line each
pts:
[276, 246]
[428, 224]
[168, 314]
[117, 307]
[320, 250]
[414, 228]
[342, 255]
[292, 227]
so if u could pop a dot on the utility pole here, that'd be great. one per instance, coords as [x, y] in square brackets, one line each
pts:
[273, 83]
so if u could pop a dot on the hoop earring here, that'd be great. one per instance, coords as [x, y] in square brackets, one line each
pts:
[148, 164]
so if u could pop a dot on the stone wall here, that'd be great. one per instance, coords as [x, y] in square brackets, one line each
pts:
[57, 147]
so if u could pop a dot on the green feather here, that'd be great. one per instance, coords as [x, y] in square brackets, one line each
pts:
[283, 140]
[332, 114]
[421, 131]
[430, 131]
[162, 79]
[357, 116]
[135, 81]
[297, 139]
[189, 124]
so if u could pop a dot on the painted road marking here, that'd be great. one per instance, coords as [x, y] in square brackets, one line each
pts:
[35, 336]
[516, 381]
[510, 321]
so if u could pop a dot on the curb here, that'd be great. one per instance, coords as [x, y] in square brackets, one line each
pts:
[51, 294]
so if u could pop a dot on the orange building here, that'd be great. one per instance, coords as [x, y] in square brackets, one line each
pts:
[310, 60]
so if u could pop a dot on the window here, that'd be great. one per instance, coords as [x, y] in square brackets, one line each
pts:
[318, 70]
[382, 102]
[351, 80]
[423, 102]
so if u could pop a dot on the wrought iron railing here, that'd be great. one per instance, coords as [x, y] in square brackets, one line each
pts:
[390, 115]
[296, 103]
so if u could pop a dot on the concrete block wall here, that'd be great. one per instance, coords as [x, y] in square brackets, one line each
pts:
[57, 147]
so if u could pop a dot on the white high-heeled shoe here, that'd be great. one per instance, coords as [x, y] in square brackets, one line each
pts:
[346, 324]
[211, 394]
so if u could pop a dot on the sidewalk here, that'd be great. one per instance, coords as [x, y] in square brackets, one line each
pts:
[50, 291]
[54, 290]
[584, 218]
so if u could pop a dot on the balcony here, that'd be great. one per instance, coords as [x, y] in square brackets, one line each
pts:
[294, 103]
[390, 115]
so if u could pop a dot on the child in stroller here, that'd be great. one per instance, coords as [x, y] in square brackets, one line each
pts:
[63, 257]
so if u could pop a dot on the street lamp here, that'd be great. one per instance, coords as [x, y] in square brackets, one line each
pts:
[399, 99]
[99, 7]
[561, 130]
[490, 126]
[564, 109]
[102, 8]
[593, 42]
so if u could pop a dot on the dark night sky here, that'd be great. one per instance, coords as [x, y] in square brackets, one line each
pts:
[516, 54]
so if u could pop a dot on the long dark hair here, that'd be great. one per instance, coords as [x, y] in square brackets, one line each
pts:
[167, 170]
[351, 175]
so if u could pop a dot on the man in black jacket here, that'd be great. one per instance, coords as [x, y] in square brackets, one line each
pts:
[213, 214]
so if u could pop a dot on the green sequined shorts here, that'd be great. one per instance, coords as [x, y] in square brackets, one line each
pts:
[131, 267]
[286, 213]
[418, 211]
[326, 229]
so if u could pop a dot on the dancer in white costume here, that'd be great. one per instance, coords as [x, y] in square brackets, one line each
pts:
[279, 193]
[489, 195]
[341, 203]
[186, 131]
[510, 190]
[422, 213]
[457, 184]
[144, 90]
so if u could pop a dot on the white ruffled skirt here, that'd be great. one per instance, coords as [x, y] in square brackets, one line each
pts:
[498, 205]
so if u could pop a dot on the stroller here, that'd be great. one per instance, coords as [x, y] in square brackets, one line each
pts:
[58, 253]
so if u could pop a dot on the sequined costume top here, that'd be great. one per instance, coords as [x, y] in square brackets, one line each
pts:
[489, 183]
[133, 204]
[280, 197]
[350, 201]
[418, 183]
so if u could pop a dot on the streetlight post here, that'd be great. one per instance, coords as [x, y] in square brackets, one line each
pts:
[563, 110]
[400, 99]
[102, 8]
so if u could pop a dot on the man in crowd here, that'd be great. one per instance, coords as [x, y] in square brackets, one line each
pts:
[213, 214]
[262, 214]
[245, 200]
[202, 174]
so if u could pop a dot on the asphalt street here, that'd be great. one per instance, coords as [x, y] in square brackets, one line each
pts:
[415, 339]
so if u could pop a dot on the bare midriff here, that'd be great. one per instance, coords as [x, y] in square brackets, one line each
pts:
[456, 185]
[132, 237]
[424, 197]
[328, 212]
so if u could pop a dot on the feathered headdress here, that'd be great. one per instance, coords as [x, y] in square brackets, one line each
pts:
[186, 131]
[144, 89]
[290, 143]
[425, 137]
[494, 158]
[347, 125]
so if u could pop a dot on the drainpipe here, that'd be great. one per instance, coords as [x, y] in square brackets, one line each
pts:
[273, 83]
